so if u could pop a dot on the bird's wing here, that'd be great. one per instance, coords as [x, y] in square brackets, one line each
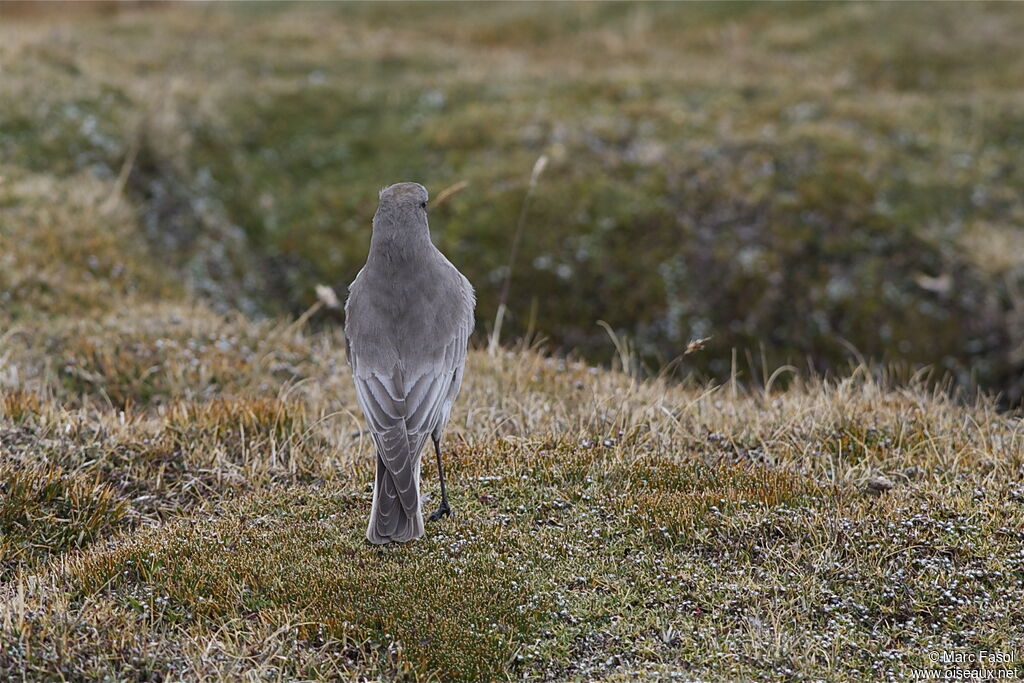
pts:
[403, 407]
[384, 401]
[455, 363]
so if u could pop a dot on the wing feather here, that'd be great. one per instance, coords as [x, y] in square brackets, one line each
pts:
[403, 413]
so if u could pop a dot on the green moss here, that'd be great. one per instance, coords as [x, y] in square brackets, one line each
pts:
[455, 606]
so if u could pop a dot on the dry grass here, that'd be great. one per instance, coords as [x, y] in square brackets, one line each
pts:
[604, 527]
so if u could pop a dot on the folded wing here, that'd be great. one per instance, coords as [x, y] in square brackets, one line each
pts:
[403, 407]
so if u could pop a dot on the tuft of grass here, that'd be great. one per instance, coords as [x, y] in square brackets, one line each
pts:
[677, 505]
[19, 405]
[48, 512]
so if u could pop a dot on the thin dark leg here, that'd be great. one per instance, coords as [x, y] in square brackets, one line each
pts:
[443, 510]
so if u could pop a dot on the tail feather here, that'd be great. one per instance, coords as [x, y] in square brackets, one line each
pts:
[391, 519]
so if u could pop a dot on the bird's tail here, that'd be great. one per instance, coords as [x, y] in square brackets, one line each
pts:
[392, 518]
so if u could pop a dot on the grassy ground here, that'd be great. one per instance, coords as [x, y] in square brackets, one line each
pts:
[194, 501]
[184, 489]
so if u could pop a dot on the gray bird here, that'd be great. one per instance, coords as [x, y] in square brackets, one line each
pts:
[408, 319]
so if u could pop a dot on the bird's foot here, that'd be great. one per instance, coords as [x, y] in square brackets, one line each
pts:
[443, 511]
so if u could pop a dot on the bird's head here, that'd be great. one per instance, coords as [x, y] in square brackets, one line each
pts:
[401, 218]
[403, 198]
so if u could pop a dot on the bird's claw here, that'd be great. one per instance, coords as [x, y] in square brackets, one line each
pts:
[443, 511]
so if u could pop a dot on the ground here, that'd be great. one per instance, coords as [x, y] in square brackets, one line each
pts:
[185, 476]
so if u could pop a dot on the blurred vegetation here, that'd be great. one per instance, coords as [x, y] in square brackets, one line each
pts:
[800, 183]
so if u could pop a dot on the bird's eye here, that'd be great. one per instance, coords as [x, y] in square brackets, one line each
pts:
[423, 205]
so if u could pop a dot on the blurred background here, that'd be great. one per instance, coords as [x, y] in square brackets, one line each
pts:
[805, 184]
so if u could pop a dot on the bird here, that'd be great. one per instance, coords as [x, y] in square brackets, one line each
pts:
[408, 318]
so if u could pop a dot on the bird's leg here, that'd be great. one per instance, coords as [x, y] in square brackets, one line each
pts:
[442, 510]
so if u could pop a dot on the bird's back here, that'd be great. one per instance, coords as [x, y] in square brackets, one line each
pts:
[406, 312]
